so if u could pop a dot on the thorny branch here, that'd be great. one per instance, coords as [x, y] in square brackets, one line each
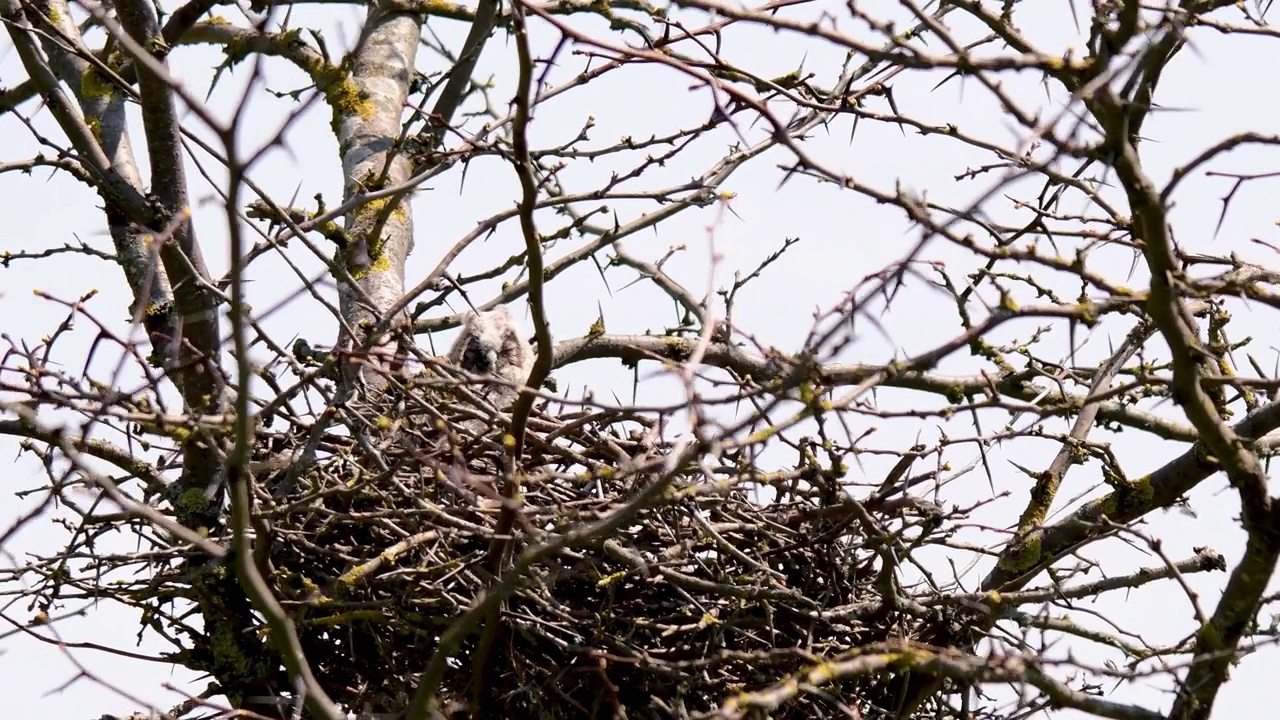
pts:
[881, 516]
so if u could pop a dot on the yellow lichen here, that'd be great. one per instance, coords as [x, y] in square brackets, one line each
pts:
[375, 208]
[344, 97]
[368, 216]
[381, 263]
[1022, 555]
[806, 393]
[610, 579]
[676, 348]
[222, 641]
[94, 85]
[193, 499]
[443, 8]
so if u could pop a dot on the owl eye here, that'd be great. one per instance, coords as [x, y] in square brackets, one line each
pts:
[475, 359]
[511, 345]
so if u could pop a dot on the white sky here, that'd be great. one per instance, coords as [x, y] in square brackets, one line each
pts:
[844, 237]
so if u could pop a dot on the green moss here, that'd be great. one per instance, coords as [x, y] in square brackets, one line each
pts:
[1086, 313]
[94, 85]
[677, 349]
[1134, 498]
[443, 8]
[789, 80]
[1209, 637]
[806, 393]
[1022, 555]
[192, 500]
[367, 217]
[345, 99]
[597, 328]
[226, 653]
[1105, 505]
[348, 617]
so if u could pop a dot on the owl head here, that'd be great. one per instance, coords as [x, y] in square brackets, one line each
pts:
[490, 344]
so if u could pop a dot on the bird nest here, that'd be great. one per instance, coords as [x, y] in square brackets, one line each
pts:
[647, 577]
[725, 581]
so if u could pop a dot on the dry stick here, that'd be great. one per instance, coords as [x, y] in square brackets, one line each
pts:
[1205, 559]
[198, 377]
[68, 447]
[1173, 320]
[647, 347]
[500, 547]
[1216, 642]
[714, 177]
[284, 635]
[424, 700]
[906, 657]
[1046, 487]
[72, 123]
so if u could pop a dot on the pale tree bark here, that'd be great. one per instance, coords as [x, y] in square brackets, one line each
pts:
[199, 346]
[380, 231]
[396, 592]
[155, 243]
[184, 328]
[103, 104]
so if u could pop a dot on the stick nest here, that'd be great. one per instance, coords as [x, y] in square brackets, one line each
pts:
[726, 582]
[666, 581]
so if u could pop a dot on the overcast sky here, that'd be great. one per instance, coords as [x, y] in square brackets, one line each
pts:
[1208, 93]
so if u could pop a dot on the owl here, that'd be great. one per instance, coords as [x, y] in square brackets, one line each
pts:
[490, 344]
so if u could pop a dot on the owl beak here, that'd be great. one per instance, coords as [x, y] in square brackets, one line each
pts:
[491, 355]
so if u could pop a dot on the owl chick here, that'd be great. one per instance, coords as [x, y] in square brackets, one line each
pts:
[490, 344]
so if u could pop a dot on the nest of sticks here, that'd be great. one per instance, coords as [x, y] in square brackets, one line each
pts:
[653, 581]
[725, 581]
